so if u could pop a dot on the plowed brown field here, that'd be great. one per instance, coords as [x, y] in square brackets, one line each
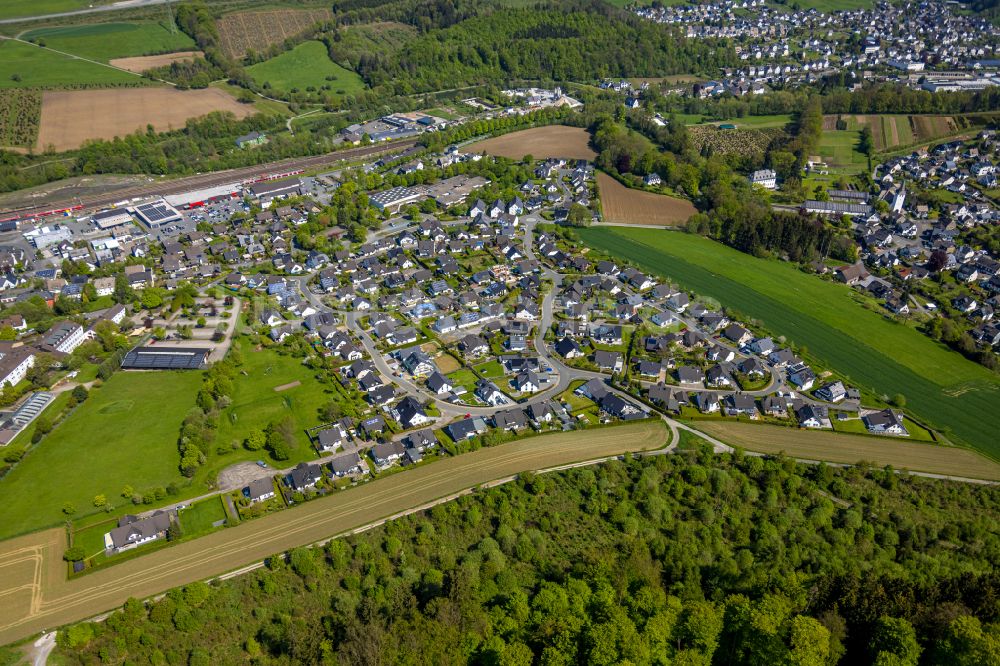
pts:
[552, 141]
[71, 117]
[623, 205]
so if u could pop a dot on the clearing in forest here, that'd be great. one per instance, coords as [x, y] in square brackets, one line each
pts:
[243, 32]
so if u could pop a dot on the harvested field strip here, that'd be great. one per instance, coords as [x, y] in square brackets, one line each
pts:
[72, 117]
[623, 205]
[840, 448]
[65, 601]
[242, 32]
[142, 63]
[20, 111]
[541, 143]
[872, 351]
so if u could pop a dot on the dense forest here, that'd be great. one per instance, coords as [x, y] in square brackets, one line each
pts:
[574, 41]
[682, 559]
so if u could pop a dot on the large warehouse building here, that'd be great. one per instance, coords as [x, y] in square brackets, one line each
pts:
[197, 198]
[269, 190]
[107, 219]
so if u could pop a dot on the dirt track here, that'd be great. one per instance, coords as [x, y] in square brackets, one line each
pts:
[849, 449]
[55, 601]
[70, 117]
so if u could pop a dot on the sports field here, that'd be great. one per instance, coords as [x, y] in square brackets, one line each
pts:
[877, 354]
[308, 65]
[60, 601]
[624, 205]
[104, 41]
[25, 65]
[71, 117]
[840, 448]
[125, 433]
[556, 141]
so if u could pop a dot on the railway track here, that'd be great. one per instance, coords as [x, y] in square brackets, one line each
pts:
[188, 183]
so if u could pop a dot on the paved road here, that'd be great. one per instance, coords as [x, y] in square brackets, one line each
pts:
[125, 4]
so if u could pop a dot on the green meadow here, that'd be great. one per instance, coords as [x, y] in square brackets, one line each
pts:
[124, 434]
[307, 65]
[106, 41]
[28, 66]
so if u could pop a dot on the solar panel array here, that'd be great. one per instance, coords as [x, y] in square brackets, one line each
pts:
[157, 212]
[163, 358]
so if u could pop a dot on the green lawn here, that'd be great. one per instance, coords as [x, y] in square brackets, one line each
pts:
[877, 354]
[839, 149]
[307, 65]
[464, 377]
[198, 518]
[490, 369]
[125, 433]
[105, 41]
[38, 67]
[256, 405]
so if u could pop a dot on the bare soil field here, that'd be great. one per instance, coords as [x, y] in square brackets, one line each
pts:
[623, 205]
[841, 448]
[71, 117]
[930, 127]
[541, 143]
[140, 64]
[241, 32]
[62, 601]
[447, 363]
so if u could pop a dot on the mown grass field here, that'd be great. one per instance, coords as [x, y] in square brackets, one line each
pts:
[846, 448]
[307, 65]
[28, 66]
[256, 404]
[124, 434]
[21, 8]
[839, 149]
[105, 41]
[877, 354]
[65, 601]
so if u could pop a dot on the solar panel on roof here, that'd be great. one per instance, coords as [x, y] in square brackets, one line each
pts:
[162, 358]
